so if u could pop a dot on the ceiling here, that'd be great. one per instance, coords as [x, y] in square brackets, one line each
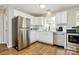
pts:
[34, 9]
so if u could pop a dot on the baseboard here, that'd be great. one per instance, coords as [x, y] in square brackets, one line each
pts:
[9, 46]
[40, 42]
[44, 43]
[58, 45]
[49, 44]
[33, 43]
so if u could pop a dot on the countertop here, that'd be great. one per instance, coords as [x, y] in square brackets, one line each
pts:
[63, 32]
[59, 31]
[41, 31]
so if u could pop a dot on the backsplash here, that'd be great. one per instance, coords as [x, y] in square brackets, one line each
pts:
[41, 28]
[63, 26]
[36, 27]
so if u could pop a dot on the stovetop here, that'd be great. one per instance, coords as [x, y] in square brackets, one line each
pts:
[74, 31]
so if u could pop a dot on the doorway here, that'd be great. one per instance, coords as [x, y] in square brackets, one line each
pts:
[3, 32]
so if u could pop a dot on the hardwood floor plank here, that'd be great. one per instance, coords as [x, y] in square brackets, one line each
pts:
[40, 49]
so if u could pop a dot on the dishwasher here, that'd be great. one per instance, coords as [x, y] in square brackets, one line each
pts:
[59, 38]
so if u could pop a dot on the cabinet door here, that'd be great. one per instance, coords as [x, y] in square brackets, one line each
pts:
[61, 17]
[58, 18]
[48, 20]
[33, 36]
[46, 37]
[36, 21]
[64, 17]
[39, 21]
[33, 21]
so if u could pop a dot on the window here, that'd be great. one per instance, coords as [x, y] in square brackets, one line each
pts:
[50, 23]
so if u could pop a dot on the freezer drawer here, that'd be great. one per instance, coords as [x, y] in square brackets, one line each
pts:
[22, 39]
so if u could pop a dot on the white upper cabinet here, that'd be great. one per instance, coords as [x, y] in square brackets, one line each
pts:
[37, 21]
[33, 21]
[64, 17]
[49, 19]
[58, 18]
[61, 17]
[40, 21]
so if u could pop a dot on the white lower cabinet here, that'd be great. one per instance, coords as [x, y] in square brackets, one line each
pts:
[33, 36]
[46, 37]
[59, 39]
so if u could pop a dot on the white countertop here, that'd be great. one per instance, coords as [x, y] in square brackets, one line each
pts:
[41, 31]
[63, 32]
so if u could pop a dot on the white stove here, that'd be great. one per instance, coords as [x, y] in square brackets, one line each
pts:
[72, 41]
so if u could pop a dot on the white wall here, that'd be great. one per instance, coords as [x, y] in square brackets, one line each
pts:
[1, 27]
[9, 17]
[5, 26]
[19, 13]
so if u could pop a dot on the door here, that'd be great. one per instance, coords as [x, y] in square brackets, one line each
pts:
[1, 29]
[22, 38]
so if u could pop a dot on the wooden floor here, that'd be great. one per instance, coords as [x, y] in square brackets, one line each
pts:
[39, 49]
[3, 47]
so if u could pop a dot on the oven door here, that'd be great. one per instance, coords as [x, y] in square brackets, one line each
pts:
[73, 38]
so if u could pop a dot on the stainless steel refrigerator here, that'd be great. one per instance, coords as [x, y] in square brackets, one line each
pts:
[20, 32]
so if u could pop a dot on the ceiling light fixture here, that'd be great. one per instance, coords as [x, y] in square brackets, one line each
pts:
[49, 12]
[42, 6]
